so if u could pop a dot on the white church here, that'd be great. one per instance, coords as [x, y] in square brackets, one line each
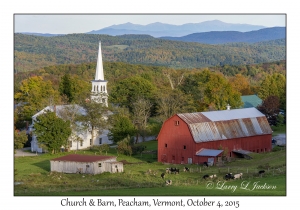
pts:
[99, 94]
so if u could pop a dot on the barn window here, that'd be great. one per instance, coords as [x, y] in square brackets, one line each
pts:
[176, 122]
[184, 147]
[166, 145]
[100, 140]
[99, 165]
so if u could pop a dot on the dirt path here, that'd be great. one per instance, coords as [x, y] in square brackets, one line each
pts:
[25, 152]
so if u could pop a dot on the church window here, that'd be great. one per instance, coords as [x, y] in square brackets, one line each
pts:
[90, 141]
[104, 88]
[101, 88]
[97, 88]
[94, 88]
[100, 140]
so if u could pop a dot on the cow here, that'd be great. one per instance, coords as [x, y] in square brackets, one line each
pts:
[205, 176]
[213, 176]
[168, 170]
[168, 182]
[261, 172]
[162, 175]
[186, 169]
[205, 164]
[174, 170]
[228, 176]
[238, 176]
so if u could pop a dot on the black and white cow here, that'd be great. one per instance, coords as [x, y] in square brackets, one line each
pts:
[261, 172]
[205, 164]
[168, 182]
[186, 169]
[205, 176]
[228, 176]
[162, 175]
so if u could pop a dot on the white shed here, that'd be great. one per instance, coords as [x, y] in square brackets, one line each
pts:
[87, 164]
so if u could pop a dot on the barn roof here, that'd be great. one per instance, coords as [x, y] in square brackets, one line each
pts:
[226, 124]
[83, 158]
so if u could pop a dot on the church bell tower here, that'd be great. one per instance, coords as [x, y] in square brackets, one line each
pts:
[99, 85]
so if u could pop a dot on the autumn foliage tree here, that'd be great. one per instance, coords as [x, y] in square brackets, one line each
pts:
[270, 108]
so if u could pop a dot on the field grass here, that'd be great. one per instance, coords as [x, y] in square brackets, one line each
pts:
[278, 129]
[142, 177]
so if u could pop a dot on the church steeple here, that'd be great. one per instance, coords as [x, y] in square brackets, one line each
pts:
[99, 85]
[99, 68]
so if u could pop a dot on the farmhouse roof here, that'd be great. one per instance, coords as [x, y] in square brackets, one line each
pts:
[226, 124]
[251, 101]
[83, 158]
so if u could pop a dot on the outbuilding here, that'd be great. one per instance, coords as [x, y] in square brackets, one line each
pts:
[206, 136]
[86, 164]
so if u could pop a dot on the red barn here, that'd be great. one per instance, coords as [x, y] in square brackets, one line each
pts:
[204, 136]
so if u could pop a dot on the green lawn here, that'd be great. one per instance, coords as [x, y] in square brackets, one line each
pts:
[142, 177]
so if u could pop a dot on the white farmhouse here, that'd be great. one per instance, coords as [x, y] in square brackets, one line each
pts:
[98, 93]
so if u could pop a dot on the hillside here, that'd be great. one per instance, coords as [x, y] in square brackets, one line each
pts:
[35, 52]
[222, 37]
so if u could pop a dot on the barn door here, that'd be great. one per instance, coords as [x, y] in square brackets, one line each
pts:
[190, 160]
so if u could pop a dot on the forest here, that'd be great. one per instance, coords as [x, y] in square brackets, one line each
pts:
[150, 94]
[36, 52]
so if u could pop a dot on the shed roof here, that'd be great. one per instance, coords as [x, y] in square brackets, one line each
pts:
[251, 101]
[209, 152]
[83, 158]
[226, 124]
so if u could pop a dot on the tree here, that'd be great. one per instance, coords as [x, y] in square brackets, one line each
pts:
[65, 87]
[103, 147]
[141, 109]
[52, 131]
[95, 118]
[130, 89]
[35, 94]
[274, 85]
[72, 113]
[124, 146]
[241, 84]
[270, 108]
[20, 138]
[218, 93]
[121, 127]
[170, 102]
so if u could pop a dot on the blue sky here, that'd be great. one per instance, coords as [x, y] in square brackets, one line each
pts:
[81, 23]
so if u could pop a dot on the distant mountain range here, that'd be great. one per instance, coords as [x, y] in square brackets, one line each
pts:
[165, 30]
[161, 29]
[222, 37]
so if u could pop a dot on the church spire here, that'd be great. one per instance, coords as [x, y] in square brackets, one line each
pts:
[99, 69]
[99, 85]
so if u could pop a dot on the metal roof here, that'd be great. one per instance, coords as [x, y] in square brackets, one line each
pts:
[251, 101]
[233, 114]
[226, 124]
[83, 158]
[209, 152]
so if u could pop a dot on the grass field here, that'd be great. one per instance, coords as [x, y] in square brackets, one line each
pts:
[142, 177]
